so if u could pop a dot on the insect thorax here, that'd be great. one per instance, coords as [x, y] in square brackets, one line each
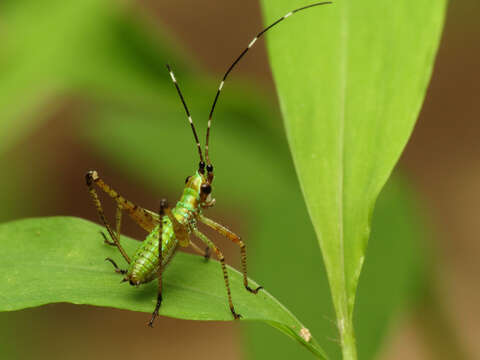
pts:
[190, 200]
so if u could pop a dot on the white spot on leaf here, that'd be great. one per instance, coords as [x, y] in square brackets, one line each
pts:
[305, 334]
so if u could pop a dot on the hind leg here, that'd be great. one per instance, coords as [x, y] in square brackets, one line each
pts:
[98, 205]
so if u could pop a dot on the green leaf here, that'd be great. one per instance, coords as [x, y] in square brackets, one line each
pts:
[351, 78]
[61, 260]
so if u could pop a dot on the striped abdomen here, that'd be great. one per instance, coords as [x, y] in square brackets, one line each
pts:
[144, 265]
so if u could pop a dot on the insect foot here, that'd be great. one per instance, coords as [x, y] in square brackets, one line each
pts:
[150, 323]
[254, 291]
[235, 315]
[106, 241]
[155, 312]
[117, 269]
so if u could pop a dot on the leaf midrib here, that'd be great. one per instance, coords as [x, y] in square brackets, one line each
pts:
[343, 96]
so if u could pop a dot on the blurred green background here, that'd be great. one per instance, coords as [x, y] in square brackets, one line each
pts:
[83, 86]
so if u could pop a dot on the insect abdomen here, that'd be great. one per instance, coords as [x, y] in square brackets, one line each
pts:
[144, 265]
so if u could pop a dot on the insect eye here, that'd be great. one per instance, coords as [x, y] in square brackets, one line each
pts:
[188, 178]
[206, 189]
[209, 167]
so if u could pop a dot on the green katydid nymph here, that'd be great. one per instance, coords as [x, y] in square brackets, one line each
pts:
[174, 227]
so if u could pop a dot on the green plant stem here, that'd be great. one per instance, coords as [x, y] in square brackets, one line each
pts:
[347, 338]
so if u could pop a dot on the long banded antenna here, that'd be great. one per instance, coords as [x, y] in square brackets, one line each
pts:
[254, 40]
[188, 112]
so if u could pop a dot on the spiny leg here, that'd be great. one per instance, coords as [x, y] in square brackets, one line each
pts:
[90, 179]
[118, 225]
[118, 222]
[237, 240]
[220, 256]
[144, 218]
[163, 209]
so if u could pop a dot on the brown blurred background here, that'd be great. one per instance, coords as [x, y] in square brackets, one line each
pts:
[441, 160]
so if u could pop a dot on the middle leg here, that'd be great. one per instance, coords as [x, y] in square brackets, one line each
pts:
[220, 256]
[237, 240]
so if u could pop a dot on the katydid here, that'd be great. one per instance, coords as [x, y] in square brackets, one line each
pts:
[174, 227]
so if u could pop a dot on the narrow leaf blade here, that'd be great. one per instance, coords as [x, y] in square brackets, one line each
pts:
[351, 77]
